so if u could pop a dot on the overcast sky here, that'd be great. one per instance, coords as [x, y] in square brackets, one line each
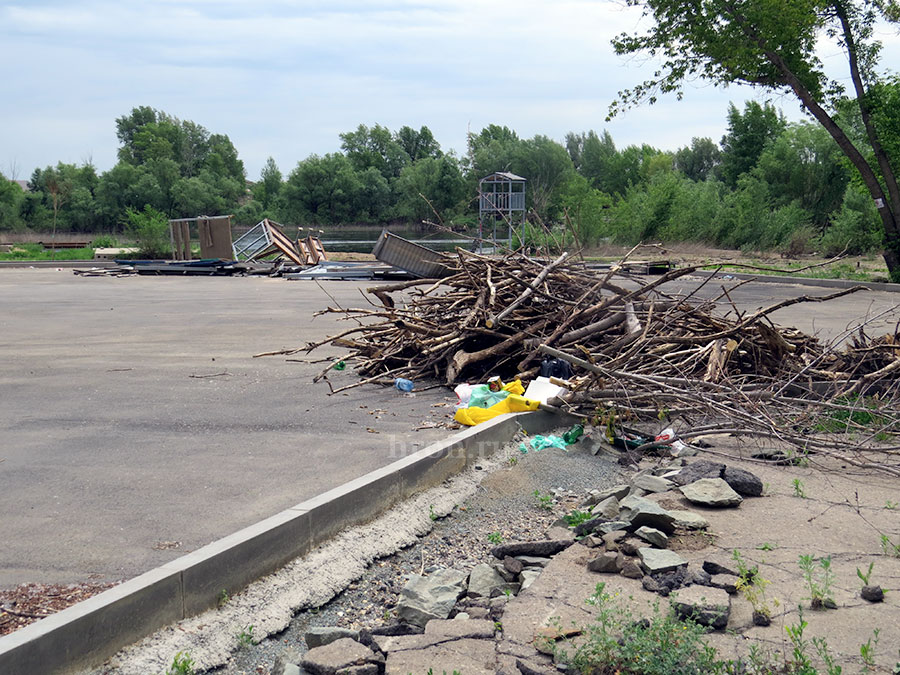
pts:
[285, 77]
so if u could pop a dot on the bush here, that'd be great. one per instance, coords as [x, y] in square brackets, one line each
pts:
[150, 231]
[855, 227]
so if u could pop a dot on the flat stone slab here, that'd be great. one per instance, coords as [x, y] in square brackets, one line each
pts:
[456, 628]
[653, 483]
[713, 492]
[471, 657]
[531, 548]
[319, 636]
[639, 511]
[655, 560]
[430, 597]
[339, 655]
[652, 536]
[689, 520]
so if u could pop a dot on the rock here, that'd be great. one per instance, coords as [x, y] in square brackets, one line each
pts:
[461, 628]
[631, 569]
[472, 657]
[707, 606]
[656, 560]
[507, 589]
[727, 582]
[591, 541]
[498, 605]
[597, 496]
[608, 508]
[431, 597]
[286, 663]
[713, 567]
[699, 577]
[533, 561]
[478, 613]
[531, 548]
[629, 546]
[612, 526]
[528, 577]
[528, 668]
[395, 629]
[341, 655]
[557, 533]
[743, 482]
[653, 483]
[672, 580]
[503, 572]
[697, 470]
[761, 618]
[318, 636]
[872, 593]
[713, 492]
[688, 520]
[483, 581]
[652, 536]
[650, 584]
[639, 511]
[513, 565]
[604, 563]
[613, 538]
[589, 526]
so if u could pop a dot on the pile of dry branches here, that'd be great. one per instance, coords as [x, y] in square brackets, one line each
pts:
[639, 352]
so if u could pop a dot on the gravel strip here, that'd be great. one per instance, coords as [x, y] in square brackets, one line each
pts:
[504, 507]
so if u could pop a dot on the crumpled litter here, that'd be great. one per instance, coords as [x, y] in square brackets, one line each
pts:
[484, 404]
[539, 442]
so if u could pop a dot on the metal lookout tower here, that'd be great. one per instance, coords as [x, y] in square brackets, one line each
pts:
[501, 202]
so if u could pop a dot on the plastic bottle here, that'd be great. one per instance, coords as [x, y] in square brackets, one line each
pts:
[404, 385]
[573, 434]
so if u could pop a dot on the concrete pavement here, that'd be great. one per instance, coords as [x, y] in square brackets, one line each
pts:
[136, 427]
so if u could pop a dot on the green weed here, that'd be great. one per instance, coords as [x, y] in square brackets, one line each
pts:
[431, 513]
[798, 488]
[222, 599]
[495, 537]
[867, 649]
[819, 580]
[182, 664]
[865, 575]
[544, 501]
[577, 517]
[616, 643]
[888, 547]
[245, 637]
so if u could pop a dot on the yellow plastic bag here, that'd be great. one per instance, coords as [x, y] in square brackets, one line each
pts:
[512, 403]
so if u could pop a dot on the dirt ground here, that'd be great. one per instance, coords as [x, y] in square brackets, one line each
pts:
[684, 254]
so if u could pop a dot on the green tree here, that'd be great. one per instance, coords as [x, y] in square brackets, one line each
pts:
[321, 190]
[699, 160]
[805, 165]
[269, 185]
[419, 144]
[11, 199]
[149, 229]
[374, 147]
[749, 133]
[437, 179]
[775, 45]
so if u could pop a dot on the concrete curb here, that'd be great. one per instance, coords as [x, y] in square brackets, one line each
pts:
[802, 281]
[86, 634]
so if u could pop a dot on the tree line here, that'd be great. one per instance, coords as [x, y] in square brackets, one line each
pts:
[766, 184]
